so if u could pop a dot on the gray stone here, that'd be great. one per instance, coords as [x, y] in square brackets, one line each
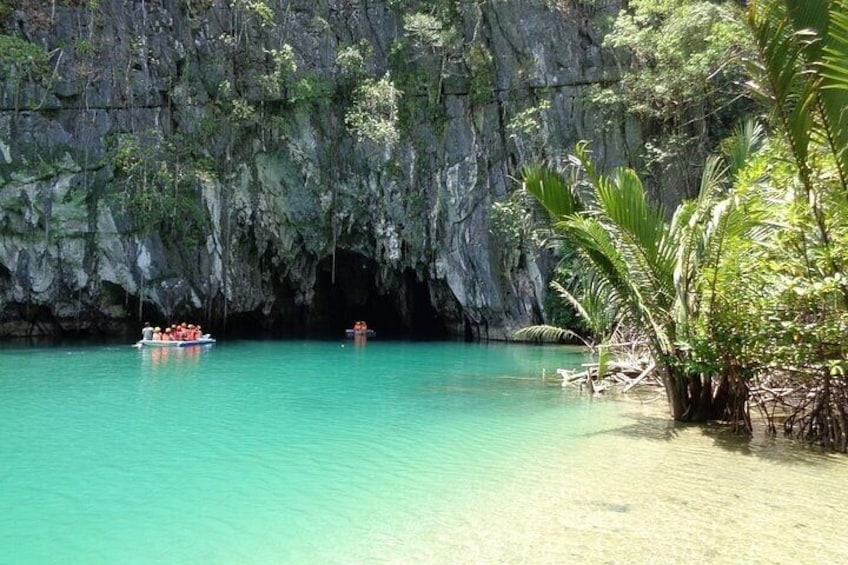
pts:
[295, 209]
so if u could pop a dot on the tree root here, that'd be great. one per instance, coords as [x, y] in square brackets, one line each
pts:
[819, 416]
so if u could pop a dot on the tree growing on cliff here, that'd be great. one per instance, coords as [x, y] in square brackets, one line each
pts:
[681, 65]
[23, 62]
[157, 182]
[374, 113]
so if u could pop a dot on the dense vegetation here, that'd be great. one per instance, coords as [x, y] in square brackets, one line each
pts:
[740, 295]
[681, 65]
[251, 92]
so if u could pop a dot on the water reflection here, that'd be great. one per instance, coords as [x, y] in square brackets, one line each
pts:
[170, 358]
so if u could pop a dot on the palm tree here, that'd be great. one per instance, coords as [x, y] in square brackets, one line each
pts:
[650, 269]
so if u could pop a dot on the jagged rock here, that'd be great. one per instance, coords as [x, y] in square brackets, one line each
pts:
[304, 227]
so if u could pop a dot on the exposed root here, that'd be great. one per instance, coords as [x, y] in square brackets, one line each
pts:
[819, 416]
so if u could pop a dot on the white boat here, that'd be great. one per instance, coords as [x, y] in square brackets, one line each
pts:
[349, 333]
[205, 340]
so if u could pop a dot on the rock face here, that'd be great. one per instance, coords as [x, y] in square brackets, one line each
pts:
[197, 159]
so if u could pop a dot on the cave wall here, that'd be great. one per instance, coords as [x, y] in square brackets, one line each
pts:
[162, 165]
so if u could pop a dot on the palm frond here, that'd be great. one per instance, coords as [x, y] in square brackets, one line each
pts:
[833, 92]
[692, 241]
[630, 290]
[782, 77]
[833, 59]
[685, 266]
[641, 231]
[624, 201]
[746, 139]
[591, 302]
[812, 19]
[545, 333]
[582, 161]
[551, 189]
[804, 58]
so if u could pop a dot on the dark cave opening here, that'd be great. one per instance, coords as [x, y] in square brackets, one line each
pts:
[397, 305]
[350, 291]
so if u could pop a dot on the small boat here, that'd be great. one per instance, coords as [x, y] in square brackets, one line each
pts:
[349, 333]
[205, 340]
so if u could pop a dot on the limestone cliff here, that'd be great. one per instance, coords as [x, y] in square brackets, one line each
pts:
[173, 159]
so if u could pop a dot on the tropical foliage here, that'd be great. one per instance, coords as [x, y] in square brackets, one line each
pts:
[21, 59]
[743, 289]
[374, 113]
[803, 75]
[157, 182]
[648, 270]
[681, 63]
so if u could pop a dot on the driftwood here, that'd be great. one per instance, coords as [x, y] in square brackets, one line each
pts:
[651, 366]
[619, 374]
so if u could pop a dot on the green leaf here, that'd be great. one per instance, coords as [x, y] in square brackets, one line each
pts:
[551, 189]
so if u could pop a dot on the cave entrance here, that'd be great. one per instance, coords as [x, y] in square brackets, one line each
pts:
[400, 307]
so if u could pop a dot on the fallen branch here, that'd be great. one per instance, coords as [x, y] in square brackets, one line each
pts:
[641, 377]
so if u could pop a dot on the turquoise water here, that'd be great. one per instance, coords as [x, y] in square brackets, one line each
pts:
[322, 452]
[242, 451]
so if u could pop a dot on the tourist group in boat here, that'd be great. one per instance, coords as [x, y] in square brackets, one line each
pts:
[176, 332]
[360, 329]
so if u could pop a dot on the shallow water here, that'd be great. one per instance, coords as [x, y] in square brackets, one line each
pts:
[323, 452]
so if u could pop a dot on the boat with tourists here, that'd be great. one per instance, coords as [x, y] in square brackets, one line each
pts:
[206, 339]
[175, 336]
[360, 329]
